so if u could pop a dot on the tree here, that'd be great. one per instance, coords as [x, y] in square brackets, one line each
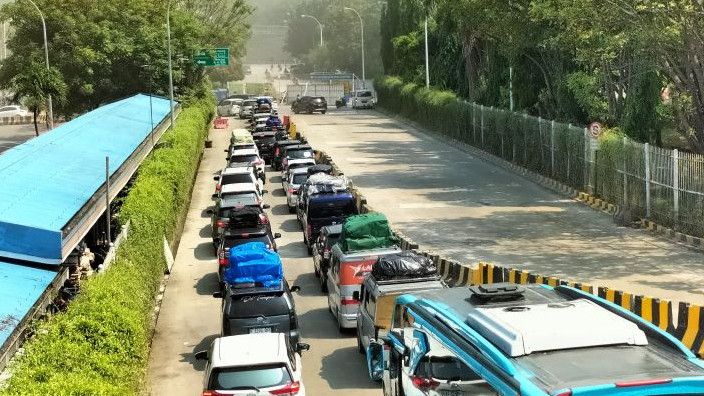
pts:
[33, 86]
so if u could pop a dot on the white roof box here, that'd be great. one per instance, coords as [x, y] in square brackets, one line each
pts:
[523, 329]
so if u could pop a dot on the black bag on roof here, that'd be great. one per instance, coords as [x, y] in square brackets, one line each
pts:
[245, 217]
[319, 168]
[406, 264]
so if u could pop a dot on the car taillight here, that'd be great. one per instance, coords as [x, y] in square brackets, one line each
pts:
[222, 257]
[263, 219]
[424, 384]
[277, 151]
[326, 253]
[309, 230]
[212, 393]
[259, 161]
[349, 301]
[292, 191]
[288, 390]
[221, 223]
[218, 187]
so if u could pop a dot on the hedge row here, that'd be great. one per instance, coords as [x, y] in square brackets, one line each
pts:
[100, 345]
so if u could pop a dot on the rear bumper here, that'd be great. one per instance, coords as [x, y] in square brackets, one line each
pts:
[348, 320]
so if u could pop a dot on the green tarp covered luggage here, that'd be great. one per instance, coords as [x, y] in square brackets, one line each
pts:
[365, 232]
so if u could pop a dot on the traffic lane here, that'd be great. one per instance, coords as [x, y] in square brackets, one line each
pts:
[333, 362]
[449, 201]
[189, 318]
[13, 135]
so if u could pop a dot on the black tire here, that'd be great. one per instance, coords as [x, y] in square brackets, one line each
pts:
[316, 272]
[291, 209]
[323, 112]
[323, 282]
[310, 249]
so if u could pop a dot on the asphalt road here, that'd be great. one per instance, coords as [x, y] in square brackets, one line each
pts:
[470, 210]
[190, 318]
[12, 135]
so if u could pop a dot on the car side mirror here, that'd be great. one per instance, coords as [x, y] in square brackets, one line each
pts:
[201, 355]
[214, 195]
[266, 206]
[300, 347]
[209, 211]
[226, 150]
[217, 294]
[216, 178]
[265, 191]
[355, 296]
[277, 235]
[295, 289]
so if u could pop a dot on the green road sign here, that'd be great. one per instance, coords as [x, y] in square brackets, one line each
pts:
[213, 57]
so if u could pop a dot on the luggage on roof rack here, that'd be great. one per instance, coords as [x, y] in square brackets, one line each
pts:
[321, 183]
[253, 264]
[245, 217]
[365, 232]
[319, 168]
[406, 264]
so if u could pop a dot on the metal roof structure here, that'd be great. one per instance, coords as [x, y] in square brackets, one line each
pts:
[51, 186]
[20, 288]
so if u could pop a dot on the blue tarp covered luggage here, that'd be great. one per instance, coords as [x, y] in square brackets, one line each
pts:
[253, 263]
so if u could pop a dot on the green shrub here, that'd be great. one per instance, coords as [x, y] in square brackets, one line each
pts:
[100, 345]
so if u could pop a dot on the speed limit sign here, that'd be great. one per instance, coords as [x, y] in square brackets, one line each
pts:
[595, 129]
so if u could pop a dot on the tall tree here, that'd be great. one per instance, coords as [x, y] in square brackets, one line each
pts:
[33, 86]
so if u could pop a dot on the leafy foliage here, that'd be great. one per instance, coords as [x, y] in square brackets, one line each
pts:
[34, 86]
[100, 345]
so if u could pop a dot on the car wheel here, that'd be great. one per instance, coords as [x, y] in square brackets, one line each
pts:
[360, 348]
[291, 209]
[315, 270]
[310, 249]
[323, 112]
[323, 282]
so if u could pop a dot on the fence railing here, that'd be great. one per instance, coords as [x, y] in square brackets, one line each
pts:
[658, 184]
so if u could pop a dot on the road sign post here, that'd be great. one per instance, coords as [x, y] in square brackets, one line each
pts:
[212, 57]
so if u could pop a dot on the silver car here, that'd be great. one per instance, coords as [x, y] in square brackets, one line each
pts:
[292, 183]
[247, 107]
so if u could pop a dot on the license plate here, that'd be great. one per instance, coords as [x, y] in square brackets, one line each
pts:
[260, 330]
[453, 392]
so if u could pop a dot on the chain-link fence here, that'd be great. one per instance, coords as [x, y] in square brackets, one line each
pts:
[645, 181]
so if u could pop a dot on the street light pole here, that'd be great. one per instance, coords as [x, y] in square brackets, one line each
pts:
[151, 111]
[320, 25]
[361, 24]
[46, 58]
[171, 72]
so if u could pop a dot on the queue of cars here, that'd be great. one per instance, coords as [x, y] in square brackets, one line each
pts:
[417, 335]
[259, 349]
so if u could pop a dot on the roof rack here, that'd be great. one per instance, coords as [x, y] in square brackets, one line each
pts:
[409, 279]
[498, 291]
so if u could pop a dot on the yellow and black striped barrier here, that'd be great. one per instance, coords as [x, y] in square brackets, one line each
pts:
[690, 327]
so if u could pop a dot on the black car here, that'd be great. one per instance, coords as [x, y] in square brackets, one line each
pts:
[232, 213]
[279, 148]
[309, 104]
[329, 235]
[248, 310]
[265, 143]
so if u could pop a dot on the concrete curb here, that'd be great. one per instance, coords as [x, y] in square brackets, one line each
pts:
[21, 120]
[669, 233]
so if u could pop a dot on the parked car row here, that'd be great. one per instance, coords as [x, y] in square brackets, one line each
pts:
[258, 351]
[242, 106]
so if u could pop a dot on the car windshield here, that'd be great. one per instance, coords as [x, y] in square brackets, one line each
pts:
[249, 103]
[243, 158]
[299, 178]
[232, 241]
[230, 201]
[231, 196]
[445, 368]
[365, 94]
[296, 166]
[267, 140]
[250, 306]
[236, 178]
[318, 100]
[299, 154]
[244, 378]
[337, 208]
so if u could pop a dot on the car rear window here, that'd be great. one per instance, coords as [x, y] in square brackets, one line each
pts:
[299, 178]
[236, 178]
[258, 305]
[243, 158]
[232, 241]
[325, 209]
[245, 378]
[267, 140]
[365, 94]
[318, 100]
[299, 154]
[445, 368]
[249, 103]
[237, 200]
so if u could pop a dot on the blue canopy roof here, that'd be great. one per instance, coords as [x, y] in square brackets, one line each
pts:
[20, 288]
[46, 180]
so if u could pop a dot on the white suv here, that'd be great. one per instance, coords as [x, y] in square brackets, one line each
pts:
[253, 364]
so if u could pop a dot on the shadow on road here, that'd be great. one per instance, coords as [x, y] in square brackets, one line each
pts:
[345, 369]
[206, 232]
[290, 225]
[208, 284]
[204, 251]
[277, 192]
[280, 210]
[293, 250]
[310, 285]
[203, 345]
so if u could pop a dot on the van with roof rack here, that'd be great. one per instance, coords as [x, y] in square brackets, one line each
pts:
[533, 340]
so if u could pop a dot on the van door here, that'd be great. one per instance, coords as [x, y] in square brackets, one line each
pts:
[333, 281]
[367, 311]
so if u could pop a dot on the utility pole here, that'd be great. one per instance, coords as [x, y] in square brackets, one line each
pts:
[427, 68]
[320, 25]
[510, 87]
[171, 71]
